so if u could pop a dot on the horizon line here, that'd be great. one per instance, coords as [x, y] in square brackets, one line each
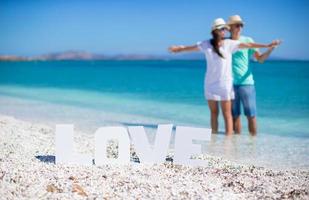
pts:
[77, 55]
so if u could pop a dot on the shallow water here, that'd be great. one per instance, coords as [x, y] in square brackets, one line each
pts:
[93, 94]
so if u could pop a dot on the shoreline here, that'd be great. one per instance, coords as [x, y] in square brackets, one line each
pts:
[24, 175]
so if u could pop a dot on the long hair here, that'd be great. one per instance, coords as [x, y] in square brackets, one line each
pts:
[215, 42]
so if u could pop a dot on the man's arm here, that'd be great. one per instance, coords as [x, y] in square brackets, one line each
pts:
[262, 57]
[252, 45]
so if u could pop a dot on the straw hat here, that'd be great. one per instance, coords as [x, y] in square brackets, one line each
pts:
[218, 24]
[235, 19]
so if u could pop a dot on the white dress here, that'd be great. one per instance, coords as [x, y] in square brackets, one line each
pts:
[218, 84]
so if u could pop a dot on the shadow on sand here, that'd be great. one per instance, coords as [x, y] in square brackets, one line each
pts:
[47, 158]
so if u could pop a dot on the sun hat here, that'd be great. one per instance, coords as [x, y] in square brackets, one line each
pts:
[235, 19]
[218, 24]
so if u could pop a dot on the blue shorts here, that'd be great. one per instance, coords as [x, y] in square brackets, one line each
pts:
[244, 95]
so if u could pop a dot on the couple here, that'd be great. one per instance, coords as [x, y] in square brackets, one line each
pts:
[229, 81]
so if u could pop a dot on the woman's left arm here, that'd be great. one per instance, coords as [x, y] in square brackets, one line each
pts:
[255, 45]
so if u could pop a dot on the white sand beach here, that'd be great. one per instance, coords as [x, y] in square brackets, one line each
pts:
[27, 171]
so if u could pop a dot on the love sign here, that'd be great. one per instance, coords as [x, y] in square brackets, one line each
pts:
[184, 148]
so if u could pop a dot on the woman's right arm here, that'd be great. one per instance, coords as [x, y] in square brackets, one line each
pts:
[255, 45]
[181, 48]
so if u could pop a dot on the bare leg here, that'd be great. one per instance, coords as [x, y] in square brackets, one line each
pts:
[226, 107]
[237, 124]
[214, 112]
[252, 125]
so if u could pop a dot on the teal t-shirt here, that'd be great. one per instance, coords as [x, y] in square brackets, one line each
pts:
[242, 74]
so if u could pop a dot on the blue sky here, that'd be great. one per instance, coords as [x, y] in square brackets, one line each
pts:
[144, 27]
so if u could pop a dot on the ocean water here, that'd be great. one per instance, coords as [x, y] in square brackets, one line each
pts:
[91, 94]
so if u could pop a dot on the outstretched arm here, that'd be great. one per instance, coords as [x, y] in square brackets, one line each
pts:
[262, 57]
[181, 48]
[255, 45]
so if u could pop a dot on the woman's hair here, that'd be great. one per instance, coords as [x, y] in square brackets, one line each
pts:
[215, 42]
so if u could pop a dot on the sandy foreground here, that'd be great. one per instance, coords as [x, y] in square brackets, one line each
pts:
[27, 171]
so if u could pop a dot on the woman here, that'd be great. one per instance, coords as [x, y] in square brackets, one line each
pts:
[218, 85]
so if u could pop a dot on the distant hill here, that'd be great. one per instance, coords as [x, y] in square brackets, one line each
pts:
[12, 58]
[83, 55]
[79, 55]
[68, 55]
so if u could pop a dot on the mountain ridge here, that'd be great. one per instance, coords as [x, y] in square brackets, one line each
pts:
[77, 55]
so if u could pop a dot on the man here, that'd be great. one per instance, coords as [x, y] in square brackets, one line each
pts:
[243, 79]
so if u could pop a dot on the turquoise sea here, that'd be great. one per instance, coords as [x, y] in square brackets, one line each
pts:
[91, 94]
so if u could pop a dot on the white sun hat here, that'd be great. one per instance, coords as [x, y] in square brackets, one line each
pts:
[235, 19]
[218, 24]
